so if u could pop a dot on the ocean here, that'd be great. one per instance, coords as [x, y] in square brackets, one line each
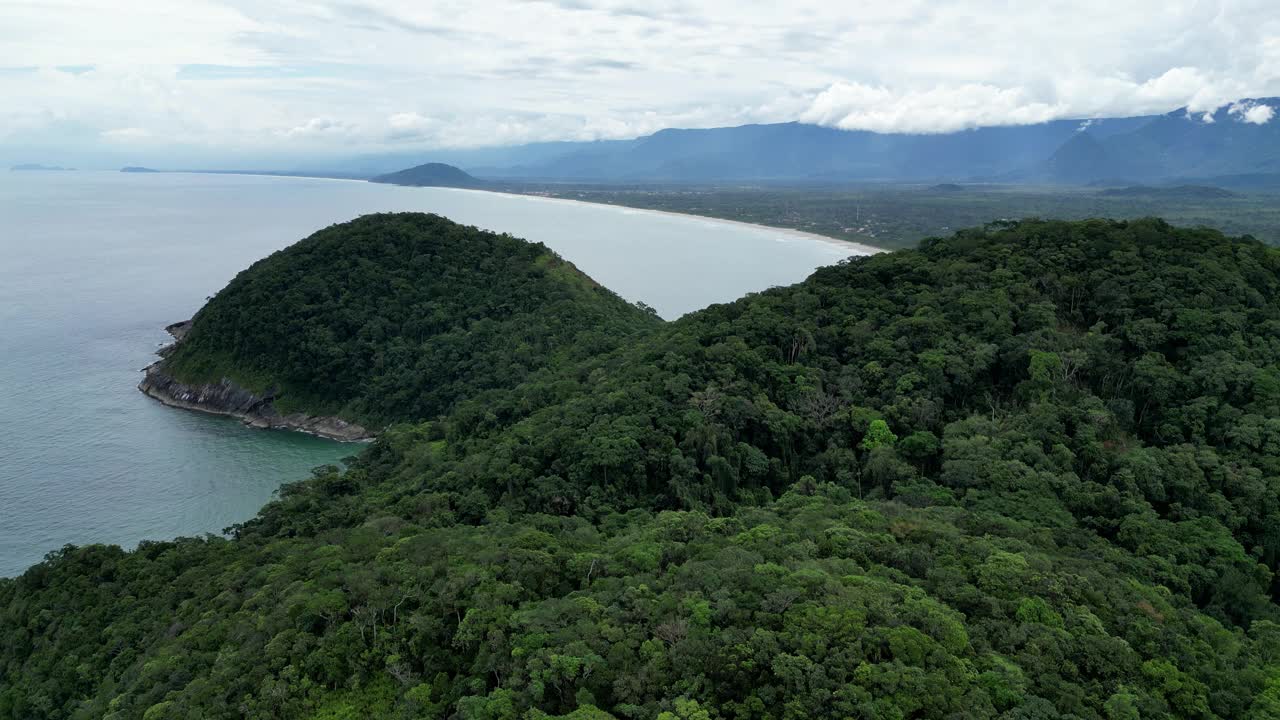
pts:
[95, 264]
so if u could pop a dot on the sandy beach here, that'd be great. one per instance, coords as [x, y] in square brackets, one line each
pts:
[856, 248]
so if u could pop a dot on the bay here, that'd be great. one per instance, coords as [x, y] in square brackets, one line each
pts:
[94, 265]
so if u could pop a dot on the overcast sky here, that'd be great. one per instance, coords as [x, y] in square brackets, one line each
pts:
[236, 77]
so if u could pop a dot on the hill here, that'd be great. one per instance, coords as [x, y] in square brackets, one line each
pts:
[1025, 471]
[430, 175]
[387, 317]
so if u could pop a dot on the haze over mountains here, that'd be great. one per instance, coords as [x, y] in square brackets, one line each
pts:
[1239, 145]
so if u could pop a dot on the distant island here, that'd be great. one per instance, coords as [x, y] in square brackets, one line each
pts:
[1178, 192]
[431, 175]
[38, 166]
[137, 169]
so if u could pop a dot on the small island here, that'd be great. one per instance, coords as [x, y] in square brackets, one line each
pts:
[431, 175]
[37, 167]
[137, 169]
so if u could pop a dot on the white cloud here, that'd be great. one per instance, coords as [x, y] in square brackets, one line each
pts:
[852, 106]
[317, 74]
[410, 126]
[322, 127]
[1252, 113]
[409, 121]
[1259, 114]
[126, 134]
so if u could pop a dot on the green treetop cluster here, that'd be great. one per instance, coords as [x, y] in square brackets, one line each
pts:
[1029, 471]
[394, 317]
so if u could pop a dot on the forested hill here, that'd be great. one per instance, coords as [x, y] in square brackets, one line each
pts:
[1027, 471]
[393, 317]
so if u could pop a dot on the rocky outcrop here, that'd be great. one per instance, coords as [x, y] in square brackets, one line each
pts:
[227, 398]
[178, 330]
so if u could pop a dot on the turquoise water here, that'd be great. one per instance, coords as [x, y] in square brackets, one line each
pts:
[94, 265]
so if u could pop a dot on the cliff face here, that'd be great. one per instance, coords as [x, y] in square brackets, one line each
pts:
[227, 398]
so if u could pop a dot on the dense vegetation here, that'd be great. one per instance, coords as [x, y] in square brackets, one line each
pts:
[396, 316]
[1026, 471]
[901, 216]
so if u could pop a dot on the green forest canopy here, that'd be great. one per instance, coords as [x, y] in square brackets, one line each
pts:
[393, 317]
[1031, 470]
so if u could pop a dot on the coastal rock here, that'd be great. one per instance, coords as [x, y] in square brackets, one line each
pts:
[178, 330]
[227, 398]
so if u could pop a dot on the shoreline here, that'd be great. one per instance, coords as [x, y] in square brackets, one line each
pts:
[253, 421]
[859, 249]
[258, 174]
[230, 400]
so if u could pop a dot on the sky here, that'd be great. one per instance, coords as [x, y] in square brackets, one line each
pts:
[225, 81]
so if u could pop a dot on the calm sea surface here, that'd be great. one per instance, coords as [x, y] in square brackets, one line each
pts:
[94, 265]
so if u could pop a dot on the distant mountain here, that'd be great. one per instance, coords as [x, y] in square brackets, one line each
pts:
[1175, 148]
[1242, 181]
[431, 175]
[137, 169]
[1177, 192]
[38, 167]
[800, 152]
[1177, 145]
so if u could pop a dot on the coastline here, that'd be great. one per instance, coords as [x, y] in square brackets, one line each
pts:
[228, 399]
[238, 173]
[859, 249]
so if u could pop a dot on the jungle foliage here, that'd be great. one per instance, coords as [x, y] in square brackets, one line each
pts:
[1031, 470]
[396, 316]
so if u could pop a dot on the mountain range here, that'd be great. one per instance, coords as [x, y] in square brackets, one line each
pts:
[1223, 148]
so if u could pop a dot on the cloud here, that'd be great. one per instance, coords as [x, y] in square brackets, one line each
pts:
[332, 75]
[408, 121]
[126, 134]
[322, 128]
[1259, 114]
[853, 106]
[409, 126]
[1251, 112]
[951, 107]
[370, 17]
